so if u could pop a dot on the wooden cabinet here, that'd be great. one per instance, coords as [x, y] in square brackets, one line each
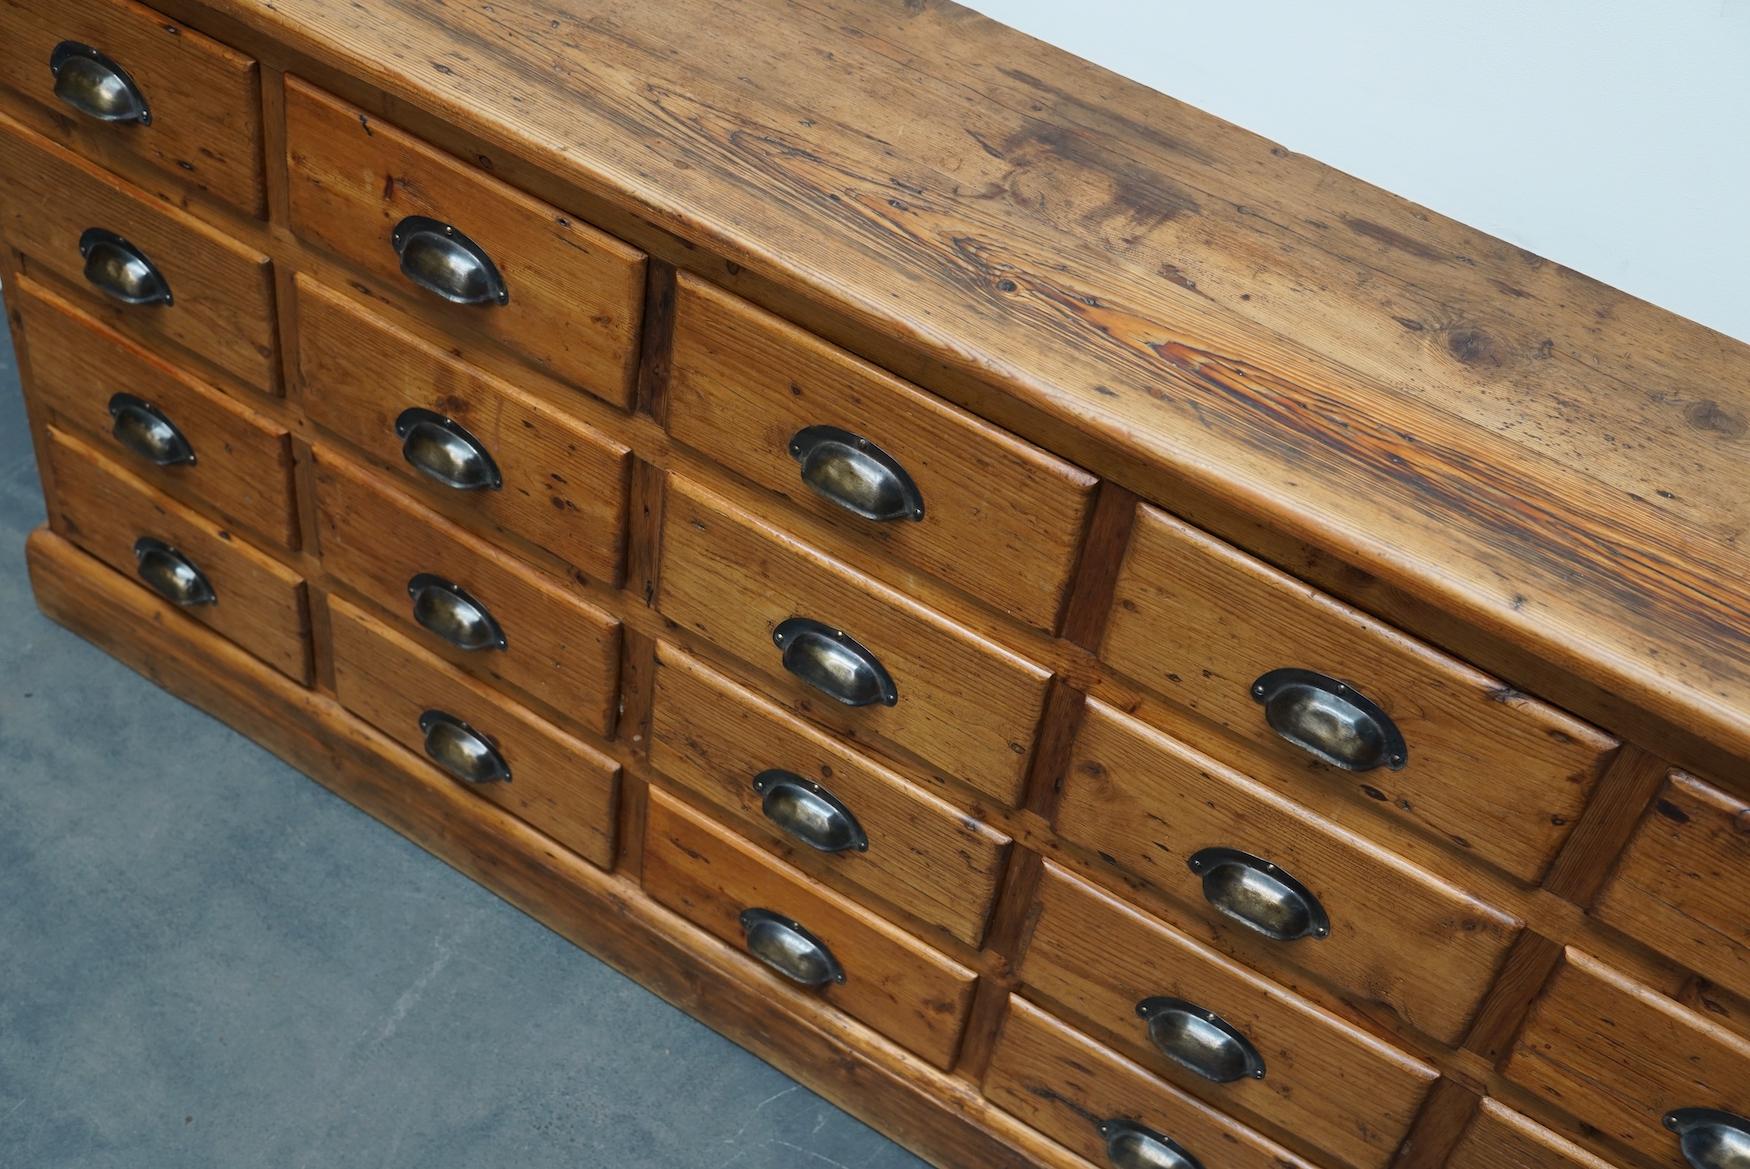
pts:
[506, 461]
[210, 575]
[135, 89]
[811, 940]
[1083, 635]
[1215, 629]
[496, 262]
[168, 427]
[1291, 888]
[154, 272]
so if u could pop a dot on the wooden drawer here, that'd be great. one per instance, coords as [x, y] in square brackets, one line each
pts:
[1085, 1096]
[892, 982]
[558, 784]
[1001, 519]
[1618, 1056]
[1330, 1083]
[918, 853]
[1397, 936]
[964, 703]
[563, 485]
[573, 296]
[222, 291]
[242, 459]
[1683, 884]
[1489, 770]
[257, 602]
[202, 98]
[558, 652]
[1500, 1138]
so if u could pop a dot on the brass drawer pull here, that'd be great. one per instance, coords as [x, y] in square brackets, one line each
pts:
[120, 270]
[461, 750]
[96, 86]
[1330, 720]
[1711, 1139]
[856, 474]
[172, 575]
[446, 609]
[1258, 894]
[833, 663]
[809, 812]
[443, 261]
[443, 449]
[145, 430]
[1200, 1041]
[1129, 1145]
[789, 949]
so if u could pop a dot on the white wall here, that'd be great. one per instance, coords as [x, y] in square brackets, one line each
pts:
[1612, 136]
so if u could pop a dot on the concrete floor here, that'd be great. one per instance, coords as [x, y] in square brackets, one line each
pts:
[208, 960]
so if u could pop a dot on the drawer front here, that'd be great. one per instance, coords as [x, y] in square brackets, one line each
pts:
[557, 784]
[1000, 519]
[560, 485]
[1683, 884]
[218, 454]
[963, 703]
[1396, 935]
[1500, 1138]
[201, 100]
[255, 600]
[572, 296]
[1618, 1056]
[221, 292]
[1323, 1079]
[1087, 1097]
[557, 652]
[1487, 769]
[892, 981]
[886, 837]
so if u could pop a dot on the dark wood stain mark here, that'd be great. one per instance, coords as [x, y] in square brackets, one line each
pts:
[1394, 239]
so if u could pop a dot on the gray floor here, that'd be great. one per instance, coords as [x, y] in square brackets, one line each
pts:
[207, 960]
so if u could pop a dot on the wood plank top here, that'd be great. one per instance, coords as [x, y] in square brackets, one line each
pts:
[1172, 301]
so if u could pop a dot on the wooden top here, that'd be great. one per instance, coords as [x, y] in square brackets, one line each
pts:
[1166, 298]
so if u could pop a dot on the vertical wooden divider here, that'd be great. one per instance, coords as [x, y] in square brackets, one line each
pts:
[1608, 820]
[1445, 1114]
[644, 562]
[1082, 622]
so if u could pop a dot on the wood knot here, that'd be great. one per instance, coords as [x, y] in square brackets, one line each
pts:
[1710, 415]
[1473, 347]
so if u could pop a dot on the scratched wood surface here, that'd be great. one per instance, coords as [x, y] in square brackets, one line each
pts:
[1152, 292]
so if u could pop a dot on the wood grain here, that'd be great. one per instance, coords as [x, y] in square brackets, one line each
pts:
[926, 858]
[1047, 254]
[561, 654]
[1529, 964]
[1616, 807]
[1327, 1082]
[1427, 952]
[558, 784]
[966, 705]
[565, 484]
[1683, 885]
[1617, 1056]
[223, 290]
[940, 1117]
[894, 983]
[744, 382]
[1200, 621]
[1438, 1126]
[575, 293]
[1500, 1137]
[243, 459]
[1066, 1085]
[104, 509]
[206, 117]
